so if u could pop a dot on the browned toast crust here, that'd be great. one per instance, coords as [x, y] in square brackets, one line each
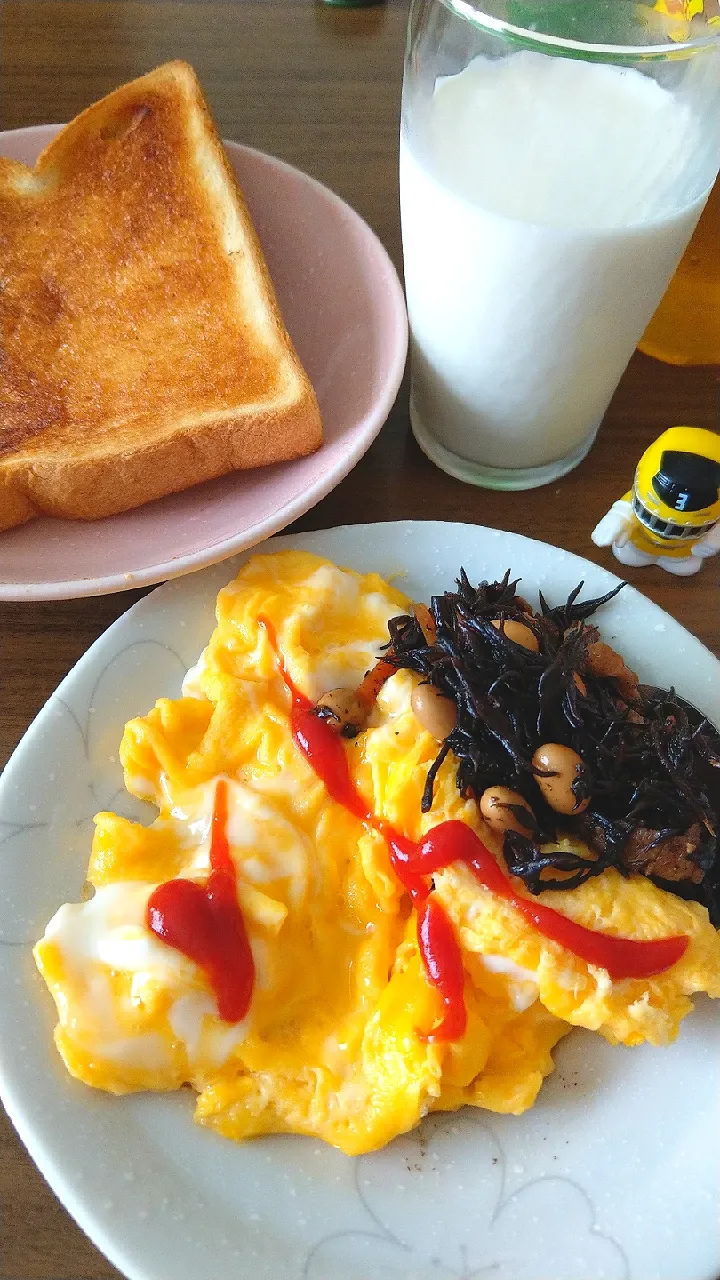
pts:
[142, 348]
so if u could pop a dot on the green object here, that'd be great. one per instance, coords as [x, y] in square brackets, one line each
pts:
[597, 23]
[604, 22]
[352, 4]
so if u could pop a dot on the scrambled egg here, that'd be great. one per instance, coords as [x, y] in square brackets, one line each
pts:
[332, 1044]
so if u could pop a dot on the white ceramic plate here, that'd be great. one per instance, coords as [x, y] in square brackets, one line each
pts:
[614, 1175]
[344, 308]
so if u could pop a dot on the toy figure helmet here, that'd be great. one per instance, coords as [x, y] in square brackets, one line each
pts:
[676, 491]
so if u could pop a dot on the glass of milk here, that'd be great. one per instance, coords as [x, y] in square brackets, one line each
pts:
[554, 160]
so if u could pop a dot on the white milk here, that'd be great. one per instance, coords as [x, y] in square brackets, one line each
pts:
[545, 206]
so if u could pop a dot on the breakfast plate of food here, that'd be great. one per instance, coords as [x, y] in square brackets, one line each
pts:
[199, 343]
[368, 887]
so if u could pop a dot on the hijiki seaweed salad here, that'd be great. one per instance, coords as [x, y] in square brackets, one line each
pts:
[646, 789]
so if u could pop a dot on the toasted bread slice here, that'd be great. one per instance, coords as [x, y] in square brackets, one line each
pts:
[142, 348]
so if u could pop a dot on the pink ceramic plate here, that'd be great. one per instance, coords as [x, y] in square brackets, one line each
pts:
[343, 305]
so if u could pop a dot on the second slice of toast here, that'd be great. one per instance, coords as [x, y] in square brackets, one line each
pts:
[142, 347]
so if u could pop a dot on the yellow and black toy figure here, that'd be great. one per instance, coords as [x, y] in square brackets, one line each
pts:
[671, 516]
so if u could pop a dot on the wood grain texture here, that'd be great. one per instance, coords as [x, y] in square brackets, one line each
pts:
[319, 87]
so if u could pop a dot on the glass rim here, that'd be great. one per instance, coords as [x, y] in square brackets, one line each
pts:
[475, 13]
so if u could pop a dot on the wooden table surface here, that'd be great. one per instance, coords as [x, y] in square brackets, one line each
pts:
[320, 87]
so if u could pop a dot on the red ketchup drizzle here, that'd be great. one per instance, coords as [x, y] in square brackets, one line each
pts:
[205, 922]
[442, 959]
[451, 842]
[622, 957]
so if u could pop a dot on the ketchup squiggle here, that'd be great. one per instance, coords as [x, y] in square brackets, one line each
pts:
[205, 922]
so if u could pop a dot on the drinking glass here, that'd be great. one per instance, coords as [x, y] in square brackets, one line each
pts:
[554, 160]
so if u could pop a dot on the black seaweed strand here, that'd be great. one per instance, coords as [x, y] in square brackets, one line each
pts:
[652, 760]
